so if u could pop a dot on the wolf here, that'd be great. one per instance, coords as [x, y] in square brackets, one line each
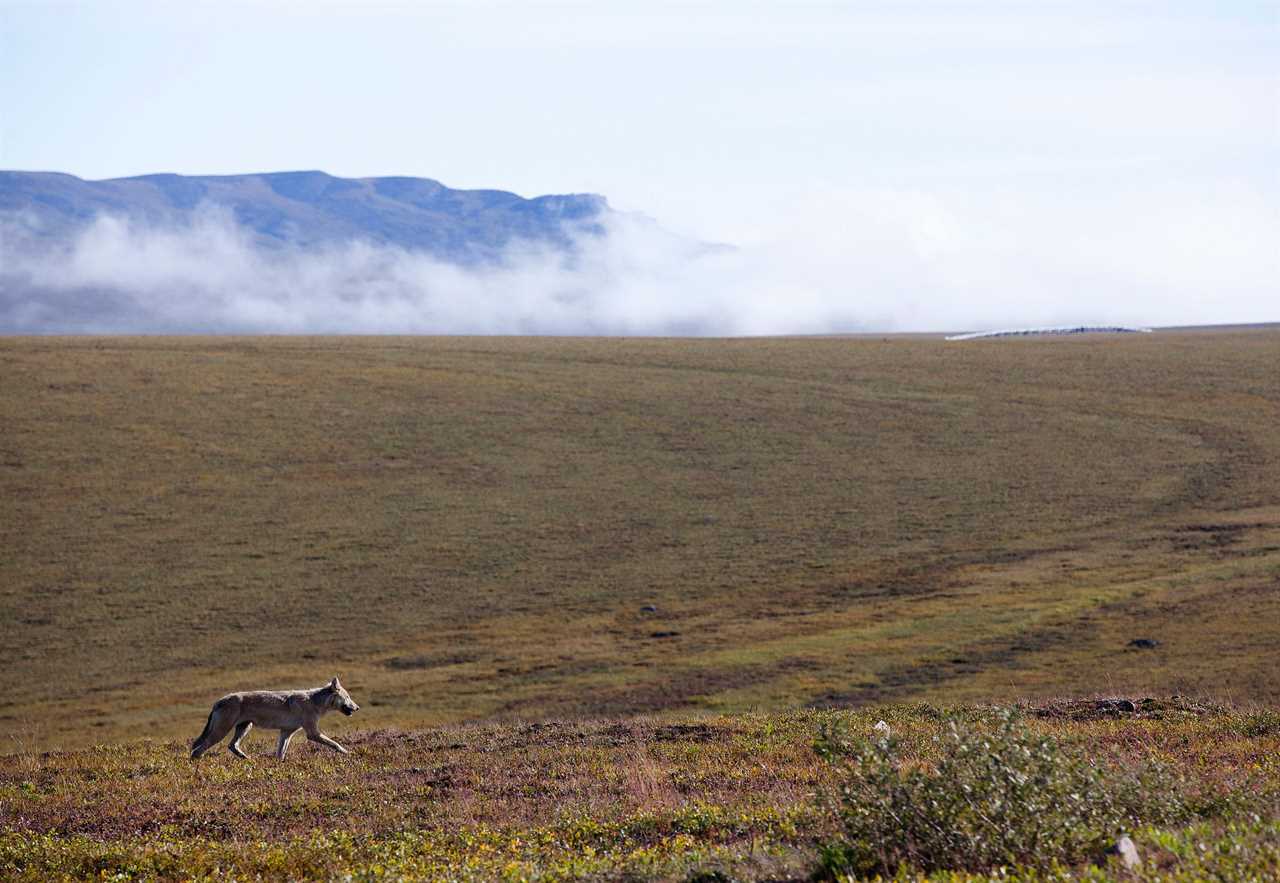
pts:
[285, 710]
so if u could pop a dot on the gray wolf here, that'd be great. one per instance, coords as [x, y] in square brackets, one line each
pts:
[285, 710]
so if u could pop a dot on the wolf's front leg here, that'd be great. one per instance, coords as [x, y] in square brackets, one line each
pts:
[314, 734]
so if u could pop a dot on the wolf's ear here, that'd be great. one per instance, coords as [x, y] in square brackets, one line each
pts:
[334, 682]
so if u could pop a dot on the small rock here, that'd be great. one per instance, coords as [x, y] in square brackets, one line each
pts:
[664, 634]
[1127, 852]
[882, 728]
[1115, 706]
[649, 608]
[1144, 643]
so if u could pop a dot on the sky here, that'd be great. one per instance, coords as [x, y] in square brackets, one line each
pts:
[1040, 161]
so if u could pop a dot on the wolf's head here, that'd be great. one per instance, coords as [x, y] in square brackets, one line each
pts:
[340, 699]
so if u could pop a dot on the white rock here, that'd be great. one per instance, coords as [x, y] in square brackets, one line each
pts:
[1127, 852]
[882, 728]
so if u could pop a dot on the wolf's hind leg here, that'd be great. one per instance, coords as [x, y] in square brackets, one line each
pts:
[220, 722]
[285, 736]
[241, 729]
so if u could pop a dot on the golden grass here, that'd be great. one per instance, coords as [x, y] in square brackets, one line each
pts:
[468, 528]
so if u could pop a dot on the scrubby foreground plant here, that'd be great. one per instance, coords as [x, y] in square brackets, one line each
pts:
[983, 795]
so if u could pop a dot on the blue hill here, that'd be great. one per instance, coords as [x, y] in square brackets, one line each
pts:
[310, 207]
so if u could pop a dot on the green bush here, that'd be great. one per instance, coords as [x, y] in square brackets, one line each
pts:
[991, 794]
[1261, 724]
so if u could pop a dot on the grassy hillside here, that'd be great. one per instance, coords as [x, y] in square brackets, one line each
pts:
[722, 799]
[471, 529]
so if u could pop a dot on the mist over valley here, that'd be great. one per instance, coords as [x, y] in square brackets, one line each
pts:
[307, 252]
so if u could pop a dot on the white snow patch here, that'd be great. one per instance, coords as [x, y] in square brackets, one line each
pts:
[1065, 329]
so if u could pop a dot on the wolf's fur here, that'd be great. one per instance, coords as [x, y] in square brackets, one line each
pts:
[287, 711]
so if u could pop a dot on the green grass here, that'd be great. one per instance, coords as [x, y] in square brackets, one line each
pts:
[466, 529]
[736, 796]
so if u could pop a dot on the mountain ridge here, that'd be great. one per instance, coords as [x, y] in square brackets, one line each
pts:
[309, 207]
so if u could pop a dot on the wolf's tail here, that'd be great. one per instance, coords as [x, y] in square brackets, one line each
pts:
[208, 725]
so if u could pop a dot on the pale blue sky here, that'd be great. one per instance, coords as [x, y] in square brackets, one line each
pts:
[732, 120]
[654, 105]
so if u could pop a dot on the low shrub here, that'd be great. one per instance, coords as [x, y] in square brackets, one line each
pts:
[986, 794]
[1261, 724]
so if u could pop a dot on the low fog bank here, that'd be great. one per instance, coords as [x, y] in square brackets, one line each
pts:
[870, 261]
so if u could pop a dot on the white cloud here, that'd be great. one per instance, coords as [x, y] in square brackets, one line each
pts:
[835, 261]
